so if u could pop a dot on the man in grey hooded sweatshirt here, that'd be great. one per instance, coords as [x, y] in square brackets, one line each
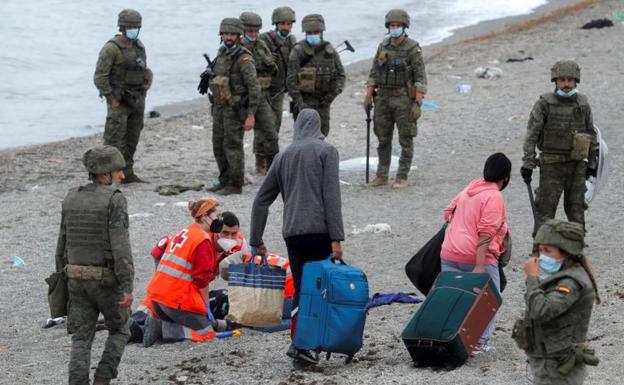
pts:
[306, 174]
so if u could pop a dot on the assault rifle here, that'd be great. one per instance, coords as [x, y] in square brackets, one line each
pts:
[205, 77]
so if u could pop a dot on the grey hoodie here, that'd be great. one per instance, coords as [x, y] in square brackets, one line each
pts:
[306, 174]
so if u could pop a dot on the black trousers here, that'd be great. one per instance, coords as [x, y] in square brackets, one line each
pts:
[302, 249]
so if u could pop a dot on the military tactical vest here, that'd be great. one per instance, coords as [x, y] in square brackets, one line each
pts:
[228, 86]
[132, 73]
[265, 65]
[281, 49]
[86, 217]
[555, 337]
[394, 68]
[564, 120]
[318, 69]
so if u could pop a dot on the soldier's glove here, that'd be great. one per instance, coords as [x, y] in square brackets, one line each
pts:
[368, 103]
[526, 173]
[415, 111]
[327, 99]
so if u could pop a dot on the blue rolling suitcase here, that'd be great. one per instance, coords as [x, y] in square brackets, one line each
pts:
[332, 308]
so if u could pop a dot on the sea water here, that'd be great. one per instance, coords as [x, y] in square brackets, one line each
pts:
[48, 49]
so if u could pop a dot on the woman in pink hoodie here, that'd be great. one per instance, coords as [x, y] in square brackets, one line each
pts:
[477, 227]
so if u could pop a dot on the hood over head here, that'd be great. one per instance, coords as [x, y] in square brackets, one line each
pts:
[308, 125]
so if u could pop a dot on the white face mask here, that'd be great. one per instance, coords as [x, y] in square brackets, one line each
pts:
[227, 244]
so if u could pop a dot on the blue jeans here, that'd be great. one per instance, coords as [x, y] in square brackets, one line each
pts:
[492, 270]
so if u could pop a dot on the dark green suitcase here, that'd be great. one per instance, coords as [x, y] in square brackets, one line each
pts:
[447, 326]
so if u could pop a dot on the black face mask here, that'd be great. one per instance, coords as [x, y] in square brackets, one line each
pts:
[505, 183]
[217, 225]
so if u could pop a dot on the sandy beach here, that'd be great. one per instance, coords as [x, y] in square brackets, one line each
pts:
[452, 143]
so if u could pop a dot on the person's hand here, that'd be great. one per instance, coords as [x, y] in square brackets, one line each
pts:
[531, 267]
[250, 122]
[259, 250]
[327, 99]
[115, 103]
[419, 97]
[368, 103]
[479, 269]
[126, 300]
[526, 174]
[336, 249]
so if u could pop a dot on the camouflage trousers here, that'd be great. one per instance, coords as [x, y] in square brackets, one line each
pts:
[265, 141]
[276, 101]
[323, 110]
[391, 110]
[227, 145]
[123, 130]
[87, 299]
[556, 178]
[545, 372]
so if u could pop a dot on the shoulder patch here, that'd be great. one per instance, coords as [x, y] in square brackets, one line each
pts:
[246, 58]
[564, 289]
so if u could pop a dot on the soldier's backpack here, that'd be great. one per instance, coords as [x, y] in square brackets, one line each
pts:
[332, 308]
[447, 326]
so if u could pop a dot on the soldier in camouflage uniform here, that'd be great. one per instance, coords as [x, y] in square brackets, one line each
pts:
[315, 73]
[561, 127]
[123, 78]
[236, 95]
[94, 251]
[280, 42]
[561, 290]
[265, 144]
[397, 84]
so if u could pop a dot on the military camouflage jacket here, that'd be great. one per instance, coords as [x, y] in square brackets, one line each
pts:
[559, 308]
[398, 66]
[121, 68]
[264, 62]
[552, 126]
[322, 68]
[94, 232]
[237, 64]
[280, 49]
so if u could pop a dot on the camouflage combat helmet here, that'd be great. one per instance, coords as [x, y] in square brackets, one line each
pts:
[103, 159]
[251, 21]
[397, 16]
[313, 23]
[231, 25]
[565, 69]
[282, 14]
[129, 18]
[567, 236]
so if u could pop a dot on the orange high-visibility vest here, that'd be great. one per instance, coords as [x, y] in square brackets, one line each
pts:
[277, 260]
[172, 284]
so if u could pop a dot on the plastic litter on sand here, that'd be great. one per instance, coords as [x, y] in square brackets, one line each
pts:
[464, 89]
[372, 229]
[488, 72]
[18, 261]
[359, 163]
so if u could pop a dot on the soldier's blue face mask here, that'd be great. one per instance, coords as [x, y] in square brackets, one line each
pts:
[396, 32]
[248, 39]
[282, 36]
[549, 265]
[132, 34]
[564, 94]
[313, 39]
[230, 44]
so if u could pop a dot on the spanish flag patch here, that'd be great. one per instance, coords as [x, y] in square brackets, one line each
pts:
[246, 59]
[563, 289]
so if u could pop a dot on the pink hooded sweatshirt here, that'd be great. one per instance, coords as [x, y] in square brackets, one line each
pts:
[479, 209]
